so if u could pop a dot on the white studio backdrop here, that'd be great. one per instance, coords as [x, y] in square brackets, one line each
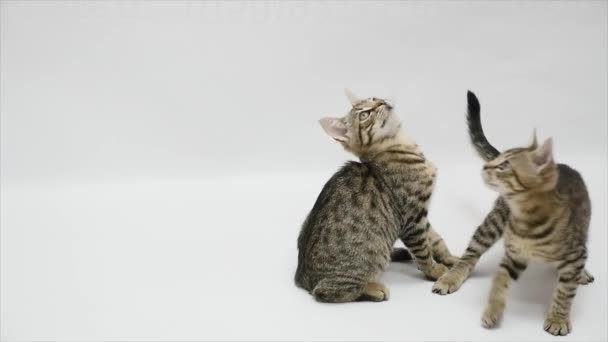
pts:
[158, 158]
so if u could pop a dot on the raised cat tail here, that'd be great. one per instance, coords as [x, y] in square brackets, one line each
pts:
[478, 138]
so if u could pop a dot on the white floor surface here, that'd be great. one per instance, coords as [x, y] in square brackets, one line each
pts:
[214, 260]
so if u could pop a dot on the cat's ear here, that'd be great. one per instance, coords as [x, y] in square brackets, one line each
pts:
[534, 143]
[335, 128]
[543, 155]
[354, 99]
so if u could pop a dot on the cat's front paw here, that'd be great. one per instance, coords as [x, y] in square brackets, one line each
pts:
[557, 326]
[491, 317]
[436, 271]
[448, 283]
[450, 261]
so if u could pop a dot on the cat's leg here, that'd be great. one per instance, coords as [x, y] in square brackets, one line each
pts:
[484, 237]
[441, 253]
[585, 278]
[415, 238]
[557, 320]
[338, 290]
[510, 268]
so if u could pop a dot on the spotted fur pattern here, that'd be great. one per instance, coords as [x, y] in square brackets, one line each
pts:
[543, 213]
[346, 241]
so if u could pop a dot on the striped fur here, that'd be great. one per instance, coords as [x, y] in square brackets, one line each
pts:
[543, 213]
[347, 239]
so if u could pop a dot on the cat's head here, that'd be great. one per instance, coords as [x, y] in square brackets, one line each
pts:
[522, 170]
[368, 122]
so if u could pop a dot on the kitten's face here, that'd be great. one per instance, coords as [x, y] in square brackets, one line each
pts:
[520, 170]
[368, 122]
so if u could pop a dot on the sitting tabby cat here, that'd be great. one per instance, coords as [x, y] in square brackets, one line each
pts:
[346, 240]
[543, 212]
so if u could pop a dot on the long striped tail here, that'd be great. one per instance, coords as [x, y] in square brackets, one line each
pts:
[478, 138]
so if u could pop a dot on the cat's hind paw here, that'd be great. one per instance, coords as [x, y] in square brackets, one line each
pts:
[375, 292]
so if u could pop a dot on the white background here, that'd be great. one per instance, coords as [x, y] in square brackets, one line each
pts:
[158, 159]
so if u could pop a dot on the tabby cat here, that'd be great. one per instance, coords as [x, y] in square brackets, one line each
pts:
[346, 241]
[543, 212]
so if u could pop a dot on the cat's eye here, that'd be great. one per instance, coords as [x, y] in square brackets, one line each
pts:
[364, 115]
[504, 165]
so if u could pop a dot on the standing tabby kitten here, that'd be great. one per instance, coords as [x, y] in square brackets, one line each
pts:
[347, 239]
[543, 212]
